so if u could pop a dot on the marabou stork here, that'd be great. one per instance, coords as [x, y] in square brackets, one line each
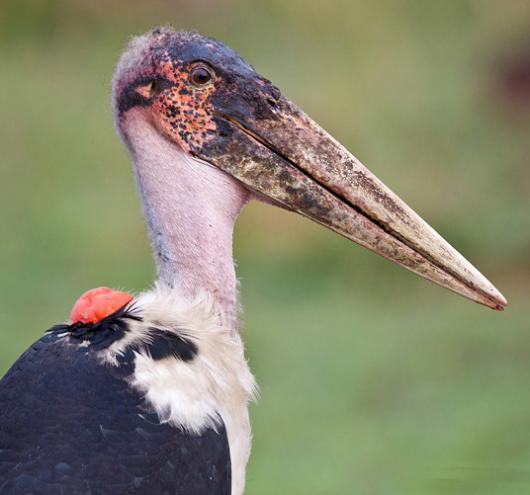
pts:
[149, 394]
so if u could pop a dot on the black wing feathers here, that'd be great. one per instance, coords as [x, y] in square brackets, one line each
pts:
[70, 425]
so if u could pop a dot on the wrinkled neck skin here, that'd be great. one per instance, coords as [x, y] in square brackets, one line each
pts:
[190, 209]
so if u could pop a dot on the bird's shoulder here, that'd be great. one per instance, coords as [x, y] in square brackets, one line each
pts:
[71, 419]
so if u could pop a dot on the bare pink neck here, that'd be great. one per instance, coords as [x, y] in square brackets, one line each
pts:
[190, 209]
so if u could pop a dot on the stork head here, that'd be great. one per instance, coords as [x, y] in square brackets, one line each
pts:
[205, 100]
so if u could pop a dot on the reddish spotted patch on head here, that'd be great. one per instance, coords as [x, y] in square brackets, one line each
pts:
[96, 304]
[183, 110]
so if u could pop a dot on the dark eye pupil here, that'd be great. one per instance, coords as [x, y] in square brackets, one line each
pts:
[200, 75]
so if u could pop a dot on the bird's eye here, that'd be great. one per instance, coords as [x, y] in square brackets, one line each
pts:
[201, 75]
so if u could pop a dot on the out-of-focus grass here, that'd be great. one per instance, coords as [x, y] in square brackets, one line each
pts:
[373, 381]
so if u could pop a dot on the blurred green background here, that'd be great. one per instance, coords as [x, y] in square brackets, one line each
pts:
[373, 381]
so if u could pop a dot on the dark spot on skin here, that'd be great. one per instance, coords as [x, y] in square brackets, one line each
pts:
[130, 98]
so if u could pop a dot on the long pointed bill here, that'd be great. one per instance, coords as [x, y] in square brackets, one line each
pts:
[206, 99]
[295, 163]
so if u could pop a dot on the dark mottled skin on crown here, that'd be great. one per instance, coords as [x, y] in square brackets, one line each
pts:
[191, 115]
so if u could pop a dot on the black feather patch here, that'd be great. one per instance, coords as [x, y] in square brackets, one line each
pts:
[102, 333]
[70, 425]
[168, 344]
